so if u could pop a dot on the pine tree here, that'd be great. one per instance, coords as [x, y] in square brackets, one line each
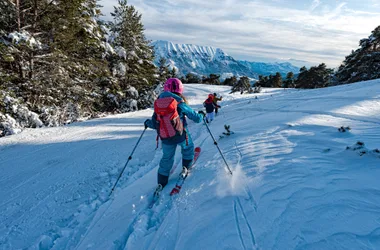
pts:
[316, 77]
[243, 85]
[213, 79]
[192, 78]
[163, 70]
[231, 81]
[289, 81]
[135, 54]
[7, 17]
[173, 73]
[55, 61]
[277, 80]
[363, 63]
[55, 55]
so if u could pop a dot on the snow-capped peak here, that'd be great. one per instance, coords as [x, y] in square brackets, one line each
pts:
[203, 60]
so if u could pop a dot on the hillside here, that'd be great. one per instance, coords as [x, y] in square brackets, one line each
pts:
[271, 68]
[295, 184]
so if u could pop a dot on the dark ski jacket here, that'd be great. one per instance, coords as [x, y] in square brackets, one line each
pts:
[209, 105]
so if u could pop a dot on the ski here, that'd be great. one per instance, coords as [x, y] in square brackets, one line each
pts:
[156, 195]
[182, 177]
[228, 132]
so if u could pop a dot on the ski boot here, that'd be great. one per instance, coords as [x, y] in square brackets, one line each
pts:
[158, 190]
[185, 172]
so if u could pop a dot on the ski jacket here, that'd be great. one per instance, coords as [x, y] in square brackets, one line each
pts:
[209, 105]
[183, 111]
[216, 99]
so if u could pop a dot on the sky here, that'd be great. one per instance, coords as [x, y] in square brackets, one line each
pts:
[300, 31]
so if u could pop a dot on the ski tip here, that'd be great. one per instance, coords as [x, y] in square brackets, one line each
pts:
[174, 191]
[197, 149]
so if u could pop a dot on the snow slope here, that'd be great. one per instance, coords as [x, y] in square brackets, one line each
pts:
[295, 185]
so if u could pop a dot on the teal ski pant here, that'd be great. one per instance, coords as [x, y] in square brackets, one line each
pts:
[168, 150]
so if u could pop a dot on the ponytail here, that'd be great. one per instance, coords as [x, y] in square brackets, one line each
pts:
[182, 96]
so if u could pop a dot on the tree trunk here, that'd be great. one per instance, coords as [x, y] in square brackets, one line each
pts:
[33, 32]
[18, 15]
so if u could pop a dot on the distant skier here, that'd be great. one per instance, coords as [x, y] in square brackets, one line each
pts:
[216, 99]
[210, 107]
[170, 110]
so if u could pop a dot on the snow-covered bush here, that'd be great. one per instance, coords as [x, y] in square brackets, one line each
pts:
[16, 116]
[361, 149]
[50, 116]
[8, 125]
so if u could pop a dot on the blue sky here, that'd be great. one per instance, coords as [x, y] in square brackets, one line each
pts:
[314, 31]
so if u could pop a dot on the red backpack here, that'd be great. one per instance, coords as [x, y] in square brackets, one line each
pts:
[168, 118]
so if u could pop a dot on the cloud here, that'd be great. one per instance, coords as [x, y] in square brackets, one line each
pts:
[315, 4]
[270, 29]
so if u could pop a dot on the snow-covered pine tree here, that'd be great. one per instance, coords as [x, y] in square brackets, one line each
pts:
[135, 62]
[163, 70]
[54, 63]
[54, 58]
[7, 17]
[133, 65]
[173, 73]
[78, 50]
[363, 63]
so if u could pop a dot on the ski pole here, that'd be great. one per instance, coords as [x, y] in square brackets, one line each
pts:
[216, 144]
[129, 158]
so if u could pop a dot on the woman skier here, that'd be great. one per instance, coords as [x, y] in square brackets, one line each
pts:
[169, 119]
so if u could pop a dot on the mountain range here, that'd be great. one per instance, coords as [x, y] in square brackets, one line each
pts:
[205, 60]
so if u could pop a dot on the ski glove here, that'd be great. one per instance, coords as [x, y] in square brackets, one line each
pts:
[146, 123]
[202, 113]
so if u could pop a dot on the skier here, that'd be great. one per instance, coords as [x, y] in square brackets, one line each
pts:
[210, 107]
[216, 99]
[170, 110]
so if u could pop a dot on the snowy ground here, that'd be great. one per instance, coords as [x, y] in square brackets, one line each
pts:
[295, 185]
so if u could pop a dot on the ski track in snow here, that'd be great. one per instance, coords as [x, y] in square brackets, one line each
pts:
[295, 186]
[237, 204]
[142, 222]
